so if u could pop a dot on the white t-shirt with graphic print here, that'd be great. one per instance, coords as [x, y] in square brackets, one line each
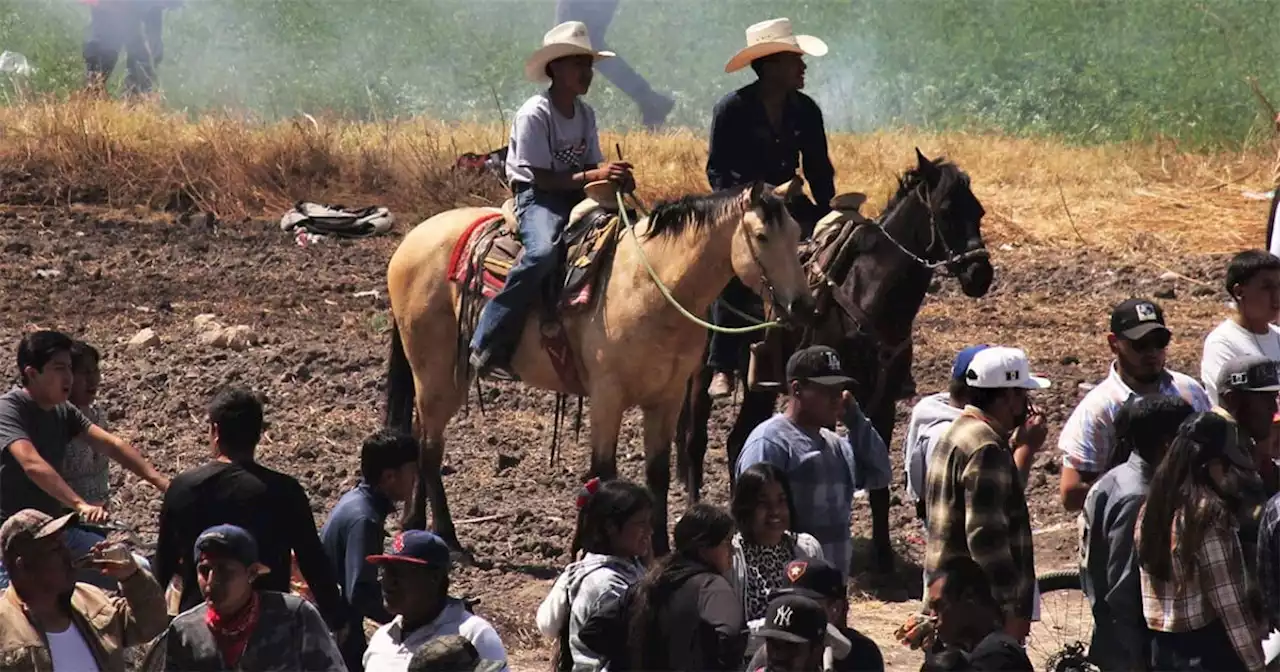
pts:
[543, 138]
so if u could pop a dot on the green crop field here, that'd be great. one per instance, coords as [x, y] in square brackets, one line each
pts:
[1084, 70]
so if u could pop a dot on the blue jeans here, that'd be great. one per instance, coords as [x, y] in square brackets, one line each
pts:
[542, 216]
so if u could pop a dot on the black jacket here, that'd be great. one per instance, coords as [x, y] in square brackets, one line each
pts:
[694, 622]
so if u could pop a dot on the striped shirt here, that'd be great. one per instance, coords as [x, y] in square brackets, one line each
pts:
[1088, 439]
[1215, 589]
[977, 508]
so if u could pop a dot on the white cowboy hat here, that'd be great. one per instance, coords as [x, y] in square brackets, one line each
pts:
[773, 37]
[567, 39]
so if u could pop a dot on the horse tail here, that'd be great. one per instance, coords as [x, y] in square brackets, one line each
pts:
[400, 390]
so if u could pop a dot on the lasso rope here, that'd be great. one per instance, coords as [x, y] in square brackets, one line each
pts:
[626, 223]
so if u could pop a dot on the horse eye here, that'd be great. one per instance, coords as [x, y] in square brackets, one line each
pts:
[762, 238]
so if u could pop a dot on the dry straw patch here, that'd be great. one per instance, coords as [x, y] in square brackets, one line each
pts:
[1148, 198]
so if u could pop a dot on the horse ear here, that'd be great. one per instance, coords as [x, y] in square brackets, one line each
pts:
[752, 195]
[925, 166]
[789, 189]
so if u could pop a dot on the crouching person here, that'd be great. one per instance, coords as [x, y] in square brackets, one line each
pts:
[50, 622]
[238, 627]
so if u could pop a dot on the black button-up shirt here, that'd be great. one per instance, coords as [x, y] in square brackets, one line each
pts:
[745, 147]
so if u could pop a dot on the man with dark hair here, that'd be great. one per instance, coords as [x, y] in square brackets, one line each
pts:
[415, 587]
[1247, 388]
[975, 483]
[1253, 283]
[969, 619]
[1144, 428]
[823, 468]
[234, 489]
[1139, 340]
[354, 530]
[765, 131]
[37, 423]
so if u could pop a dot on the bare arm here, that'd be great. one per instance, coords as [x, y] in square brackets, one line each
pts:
[44, 475]
[119, 450]
[550, 180]
[1074, 486]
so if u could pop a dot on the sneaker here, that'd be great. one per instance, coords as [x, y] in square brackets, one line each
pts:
[721, 385]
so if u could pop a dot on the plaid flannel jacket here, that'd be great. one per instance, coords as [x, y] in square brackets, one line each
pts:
[1216, 588]
[977, 508]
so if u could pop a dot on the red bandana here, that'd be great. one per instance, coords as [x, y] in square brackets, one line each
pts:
[232, 632]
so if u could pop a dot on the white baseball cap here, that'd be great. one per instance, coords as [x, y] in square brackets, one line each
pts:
[1002, 367]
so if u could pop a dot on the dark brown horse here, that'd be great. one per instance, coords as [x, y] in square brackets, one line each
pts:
[877, 274]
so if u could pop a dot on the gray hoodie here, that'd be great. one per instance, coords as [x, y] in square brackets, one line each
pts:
[930, 419]
[582, 589]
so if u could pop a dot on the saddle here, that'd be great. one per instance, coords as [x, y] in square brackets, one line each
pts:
[825, 256]
[485, 254]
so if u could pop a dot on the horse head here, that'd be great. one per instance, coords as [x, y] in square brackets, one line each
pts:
[955, 215]
[765, 250]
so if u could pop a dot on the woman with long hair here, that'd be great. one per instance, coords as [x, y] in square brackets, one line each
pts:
[764, 542]
[613, 534]
[683, 615]
[1196, 594]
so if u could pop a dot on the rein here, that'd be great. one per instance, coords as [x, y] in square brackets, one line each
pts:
[945, 265]
[666, 293]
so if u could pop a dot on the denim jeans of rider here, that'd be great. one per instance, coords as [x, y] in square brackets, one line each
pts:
[542, 215]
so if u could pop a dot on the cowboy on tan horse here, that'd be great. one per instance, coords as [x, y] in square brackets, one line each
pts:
[554, 152]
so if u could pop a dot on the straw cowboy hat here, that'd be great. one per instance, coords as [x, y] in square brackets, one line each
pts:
[567, 39]
[774, 37]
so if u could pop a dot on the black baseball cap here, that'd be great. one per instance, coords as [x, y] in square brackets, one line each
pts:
[1254, 373]
[794, 618]
[817, 576]
[817, 364]
[230, 541]
[1135, 318]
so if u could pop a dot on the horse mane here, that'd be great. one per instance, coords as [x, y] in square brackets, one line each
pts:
[949, 175]
[671, 218]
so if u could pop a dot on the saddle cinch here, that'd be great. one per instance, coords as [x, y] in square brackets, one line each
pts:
[490, 248]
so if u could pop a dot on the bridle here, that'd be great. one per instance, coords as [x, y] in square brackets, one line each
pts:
[951, 260]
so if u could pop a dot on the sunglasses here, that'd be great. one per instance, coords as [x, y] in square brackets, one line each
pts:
[1155, 341]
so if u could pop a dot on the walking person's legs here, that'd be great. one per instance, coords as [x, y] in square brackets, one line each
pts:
[103, 40]
[145, 48]
[597, 14]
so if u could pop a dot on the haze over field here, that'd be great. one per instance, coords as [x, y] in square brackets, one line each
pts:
[1087, 70]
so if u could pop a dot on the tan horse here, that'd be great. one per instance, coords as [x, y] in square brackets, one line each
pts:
[632, 346]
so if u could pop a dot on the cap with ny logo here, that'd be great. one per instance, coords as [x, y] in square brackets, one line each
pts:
[794, 618]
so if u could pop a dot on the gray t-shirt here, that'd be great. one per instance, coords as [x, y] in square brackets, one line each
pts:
[49, 431]
[543, 138]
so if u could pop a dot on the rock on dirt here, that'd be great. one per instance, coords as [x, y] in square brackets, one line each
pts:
[147, 338]
[239, 337]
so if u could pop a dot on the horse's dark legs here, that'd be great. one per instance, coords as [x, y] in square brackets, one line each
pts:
[756, 408]
[694, 435]
[659, 427]
[882, 420]
[430, 486]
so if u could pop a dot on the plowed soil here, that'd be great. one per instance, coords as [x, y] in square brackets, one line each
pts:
[321, 363]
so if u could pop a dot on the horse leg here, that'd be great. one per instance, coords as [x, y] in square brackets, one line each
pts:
[606, 422]
[695, 414]
[882, 421]
[659, 427]
[756, 408]
[434, 413]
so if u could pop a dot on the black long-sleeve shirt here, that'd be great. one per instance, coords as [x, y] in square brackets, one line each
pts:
[745, 146]
[272, 506]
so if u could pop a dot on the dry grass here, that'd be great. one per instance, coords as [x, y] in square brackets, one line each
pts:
[1149, 198]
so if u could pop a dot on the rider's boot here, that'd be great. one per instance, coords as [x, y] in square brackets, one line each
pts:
[488, 365]
[721, 384]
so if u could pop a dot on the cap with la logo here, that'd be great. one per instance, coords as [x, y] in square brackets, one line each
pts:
[817, 364]
[794, 618]
[1002, 368]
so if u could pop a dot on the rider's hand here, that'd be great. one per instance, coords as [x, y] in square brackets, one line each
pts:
[90, 513]
[618, 172]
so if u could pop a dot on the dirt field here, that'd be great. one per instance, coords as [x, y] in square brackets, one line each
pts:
[321, 363]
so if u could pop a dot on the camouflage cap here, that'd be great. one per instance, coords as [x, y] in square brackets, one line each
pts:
[29, 525]
[451, 653]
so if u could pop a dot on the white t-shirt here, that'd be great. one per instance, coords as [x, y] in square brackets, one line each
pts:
[543, 138]
[1228, 341]
[390, 648]
[70, 652]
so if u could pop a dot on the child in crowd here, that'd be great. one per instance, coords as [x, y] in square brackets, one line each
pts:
[615, 530]
[83, 468]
